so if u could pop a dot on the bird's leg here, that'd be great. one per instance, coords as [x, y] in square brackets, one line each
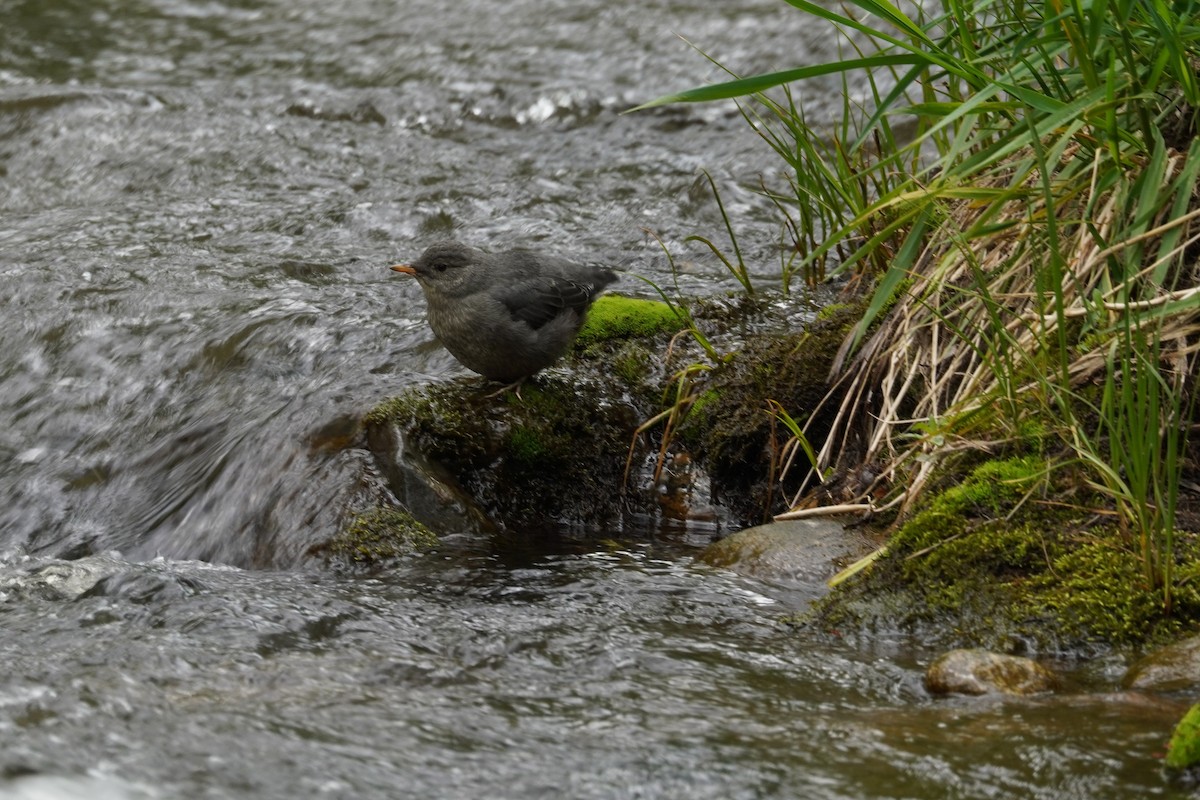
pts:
[515, 386]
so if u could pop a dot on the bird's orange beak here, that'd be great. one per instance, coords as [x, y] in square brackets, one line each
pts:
[405, 268]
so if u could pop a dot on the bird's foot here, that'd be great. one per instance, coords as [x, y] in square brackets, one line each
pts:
[514, 387]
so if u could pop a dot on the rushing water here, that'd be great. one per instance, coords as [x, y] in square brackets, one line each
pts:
[198, 201]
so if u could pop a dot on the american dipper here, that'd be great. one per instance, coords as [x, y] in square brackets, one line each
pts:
[505, 315]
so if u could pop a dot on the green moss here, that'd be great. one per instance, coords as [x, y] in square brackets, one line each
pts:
[616, 317]
[1184, 750]
[380, 534]
[987, 562]
[1033, 434]
[539, 401]
[1097, 590]
[387, 410]
[631, 363]
[419, 403]
[526, 445]
[833, 311]
[701, 418]
[704, 404]
[986, 492]
[707, 403]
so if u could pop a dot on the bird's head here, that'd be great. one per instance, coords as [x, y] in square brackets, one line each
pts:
[448, 268]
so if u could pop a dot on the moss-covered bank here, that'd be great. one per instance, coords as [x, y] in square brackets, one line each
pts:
[1010, 560]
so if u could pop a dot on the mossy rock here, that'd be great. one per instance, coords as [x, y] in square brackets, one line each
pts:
[1184, 750]
[624, 338]
[557, 450]
[554, 453]
[380, 534]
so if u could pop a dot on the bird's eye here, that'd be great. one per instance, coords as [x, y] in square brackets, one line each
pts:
[439, 267]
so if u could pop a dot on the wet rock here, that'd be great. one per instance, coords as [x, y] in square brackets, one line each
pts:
[806, 551]
[63, 580]
[553, 454]
[460, 455]
[1173, 668]
[424, 487]
[148, 585]
[984, 672]
[364, 112]
[728, 427]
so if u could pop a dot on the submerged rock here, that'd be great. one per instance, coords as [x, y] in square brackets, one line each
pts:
[974, 671]
[362, 113]
[1173, 668]
[806, 551]
[63, 580]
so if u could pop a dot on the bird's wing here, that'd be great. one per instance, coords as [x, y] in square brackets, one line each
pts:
[539, 300]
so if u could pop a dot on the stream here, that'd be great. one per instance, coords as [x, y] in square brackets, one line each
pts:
[198, 203]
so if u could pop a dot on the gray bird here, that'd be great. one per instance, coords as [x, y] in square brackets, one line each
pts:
[505, 315]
